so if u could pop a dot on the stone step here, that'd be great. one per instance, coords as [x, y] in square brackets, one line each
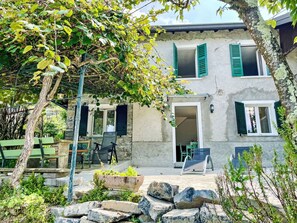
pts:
[79, 210]
[105, 216]
[181, 216]
[122, 206]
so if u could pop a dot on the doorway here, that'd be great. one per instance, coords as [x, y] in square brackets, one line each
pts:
[188, 128]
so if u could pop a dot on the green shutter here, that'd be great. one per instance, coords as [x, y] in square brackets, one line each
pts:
[277, 105]
[236, 61]
[121, 120]
[175, 60]
[202, 60]
[240, 118]
[83, 125]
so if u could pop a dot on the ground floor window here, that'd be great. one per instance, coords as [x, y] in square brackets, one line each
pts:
[103, 121]
[256, 117]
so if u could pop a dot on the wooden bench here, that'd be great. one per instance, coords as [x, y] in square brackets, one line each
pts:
[42, 153]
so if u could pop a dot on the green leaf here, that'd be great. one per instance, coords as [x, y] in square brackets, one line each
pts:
[295, 39]
[68, 30]
[44, 64]
[67, 62]
[271, 22]
[27, 49]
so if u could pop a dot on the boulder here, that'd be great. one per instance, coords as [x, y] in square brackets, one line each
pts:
[57, 211]
[191, 198]
[145, 219]
[105, 216]
[162, 190]
[67, 220]
[84, 219]
[153, 207]
[181, 216]
[122, 206]
[78, 210]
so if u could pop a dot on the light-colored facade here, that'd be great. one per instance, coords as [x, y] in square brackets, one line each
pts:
[213, 116]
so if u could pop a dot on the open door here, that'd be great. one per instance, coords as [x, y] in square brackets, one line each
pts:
[187, 130]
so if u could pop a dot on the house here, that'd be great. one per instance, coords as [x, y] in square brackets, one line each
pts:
[234, 104]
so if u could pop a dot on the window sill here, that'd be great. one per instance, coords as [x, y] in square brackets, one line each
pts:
[263, 135]
[254, 77]
[189, 78]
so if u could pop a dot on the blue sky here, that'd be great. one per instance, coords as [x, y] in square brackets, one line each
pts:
[205, 12]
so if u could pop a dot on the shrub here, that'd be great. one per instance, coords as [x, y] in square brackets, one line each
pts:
[245, 193]
[24, 208]
[6, 190]
[35, 184]
[99, 193]
[130, 172]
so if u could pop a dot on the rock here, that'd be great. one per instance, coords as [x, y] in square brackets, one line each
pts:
[79, 191]
[57, 211]
[67, 220]
[104, 216]
[65, 181]
[181, 216]
[78, 210]
[191, 198]
[153, 207]
[122, 206]
[162, 190]
[50, 182]
[214, 213]
[84, 219]
[145, 219]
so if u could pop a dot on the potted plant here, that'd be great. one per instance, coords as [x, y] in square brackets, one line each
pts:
[129, 180]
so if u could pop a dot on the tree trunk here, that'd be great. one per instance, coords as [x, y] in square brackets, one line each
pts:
[29, 134]
[267, 43]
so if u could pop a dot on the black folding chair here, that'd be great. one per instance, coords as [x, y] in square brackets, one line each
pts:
[105, 150]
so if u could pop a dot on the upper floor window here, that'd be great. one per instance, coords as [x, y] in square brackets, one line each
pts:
[190, 62]
[257, 117]
[246, 60]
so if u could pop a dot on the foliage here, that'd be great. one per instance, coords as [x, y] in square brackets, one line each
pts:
[35, 184]
[24, 208]
[246, 193]
[130, 172]
[6, 190]
[127, 195]
[99, 193]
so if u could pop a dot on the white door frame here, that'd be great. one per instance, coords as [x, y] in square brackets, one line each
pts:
[198, 124]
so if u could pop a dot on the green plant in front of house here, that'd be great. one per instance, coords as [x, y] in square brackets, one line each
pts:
[24, 208]
[245, 193]
[99, 193]
[35, 184]
[130, 172]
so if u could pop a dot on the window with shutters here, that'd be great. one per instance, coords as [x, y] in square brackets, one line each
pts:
[102, 119]
[259, 118]
[190, 61]
[246, 60]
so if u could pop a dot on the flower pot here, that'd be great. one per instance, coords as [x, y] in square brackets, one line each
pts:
[123, 183]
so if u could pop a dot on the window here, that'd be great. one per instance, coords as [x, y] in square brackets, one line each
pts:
[190, 62]
[107, 118]
[247, 61]
[256, 118]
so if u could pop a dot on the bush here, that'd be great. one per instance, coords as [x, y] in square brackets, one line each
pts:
[24, 208]
[35, 184]
[99, 193]
[130, 172]
[245, 193]
[6, 190]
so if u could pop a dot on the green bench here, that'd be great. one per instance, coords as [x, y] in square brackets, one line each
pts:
[42, 153]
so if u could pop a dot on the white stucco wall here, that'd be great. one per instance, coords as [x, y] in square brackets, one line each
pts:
[219, 128]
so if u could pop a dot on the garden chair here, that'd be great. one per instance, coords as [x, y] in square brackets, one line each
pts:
[183, 153]
[199, 162]
[235, 158]
[107, 149]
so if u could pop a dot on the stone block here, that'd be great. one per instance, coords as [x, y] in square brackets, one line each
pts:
[122, 206]
[191, 198]
[67, 220]
[153, 207]
[181, 216]
[65, 181]
[162, 190]
[78, 210]
[145, 219]
[50, 182]
[57, 211]
[210, 213]
[84, 219]
[105, 216]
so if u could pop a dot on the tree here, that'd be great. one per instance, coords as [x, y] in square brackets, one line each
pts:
[41, 43]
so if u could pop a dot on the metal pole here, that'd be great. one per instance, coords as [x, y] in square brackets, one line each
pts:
[82, 71]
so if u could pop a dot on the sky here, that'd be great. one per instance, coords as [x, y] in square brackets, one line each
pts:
[203, 13]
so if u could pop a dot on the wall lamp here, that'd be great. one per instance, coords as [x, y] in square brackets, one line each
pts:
[211, 108]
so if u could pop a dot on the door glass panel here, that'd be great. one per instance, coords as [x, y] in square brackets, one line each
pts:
[110, 121]
[98, 123]
[251, 119]
[264, 119]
